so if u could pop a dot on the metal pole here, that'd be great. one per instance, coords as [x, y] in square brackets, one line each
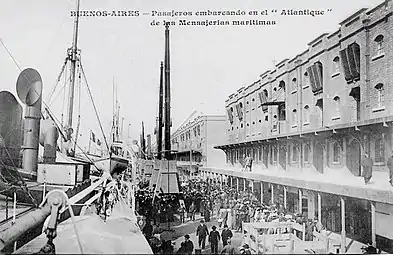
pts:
[73, 59]
[343, 233]
[373, 226]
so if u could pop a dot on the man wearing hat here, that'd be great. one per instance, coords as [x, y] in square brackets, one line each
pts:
[225, 235]
[188, 245]
[214, 238]
[202, 232]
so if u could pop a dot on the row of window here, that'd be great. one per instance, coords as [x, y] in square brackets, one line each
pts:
[380, 90]
[271, 152]
[314, 74]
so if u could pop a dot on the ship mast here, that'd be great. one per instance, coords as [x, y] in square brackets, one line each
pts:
[160, 106]
[167, 97]
[73, 57]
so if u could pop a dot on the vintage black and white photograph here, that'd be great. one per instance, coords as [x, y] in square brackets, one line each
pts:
[196, 127]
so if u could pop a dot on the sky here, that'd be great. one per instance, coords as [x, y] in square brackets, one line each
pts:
[207, 63]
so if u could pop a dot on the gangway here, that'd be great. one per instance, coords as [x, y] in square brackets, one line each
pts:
[281, 238]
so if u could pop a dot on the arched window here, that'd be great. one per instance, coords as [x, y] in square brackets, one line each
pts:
[265, 92]
[294, 153]
[336, 65]
[306, 114]
[336, 153]
[241, 105]
[282, 85]
[379, 44]
[337, 105]
[381, 94]
[379, 150]
[294, 84]
[294, 117]
[306, 154]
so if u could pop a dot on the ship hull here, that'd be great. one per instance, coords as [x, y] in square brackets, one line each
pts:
[111, 163]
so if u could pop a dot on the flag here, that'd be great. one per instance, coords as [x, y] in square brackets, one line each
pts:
[93, 137]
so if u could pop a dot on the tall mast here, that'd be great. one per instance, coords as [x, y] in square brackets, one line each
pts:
[160, 110]
[73, 57]
[167, 96]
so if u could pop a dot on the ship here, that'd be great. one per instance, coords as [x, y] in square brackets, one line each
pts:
[65, 192]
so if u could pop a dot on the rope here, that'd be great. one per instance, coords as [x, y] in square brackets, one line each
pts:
[95, 108]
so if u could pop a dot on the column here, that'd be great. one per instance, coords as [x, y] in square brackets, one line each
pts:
[300, 201]
[319, 208]
[244, 184]
[285, 197]
[221, 180]
[373, 226]
[272, 194]
[237, 184]
[252, 186]
[261, 192]
[343, 233]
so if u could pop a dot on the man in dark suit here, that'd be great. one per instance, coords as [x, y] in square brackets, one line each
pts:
[214, 238]
[202, 232]
[225, 235]
[367, 164]
[188, 245]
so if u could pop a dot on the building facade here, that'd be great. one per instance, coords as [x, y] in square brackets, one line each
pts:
[197, 138]
[308, 123]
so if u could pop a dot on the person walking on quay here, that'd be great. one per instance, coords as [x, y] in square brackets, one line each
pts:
[192, 211]
[202, 232]
[148, 230]
[225, 235]
[214, 238]
[390, 166]
[367, 164]
[188, 245]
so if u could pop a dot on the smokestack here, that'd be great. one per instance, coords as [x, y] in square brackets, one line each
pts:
[148, 146]
[160, 111]
[29, 89]
[167, 96]
[48, 139]
[143, 144]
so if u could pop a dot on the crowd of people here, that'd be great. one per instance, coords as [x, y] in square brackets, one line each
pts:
[225, 203]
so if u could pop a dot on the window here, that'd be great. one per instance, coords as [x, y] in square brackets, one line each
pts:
[260, 153]
[274, 153]
[306, 154]
[379, 45]
[306, 114]
[266, 118]
[336, 153]
[379, 150]
[294, 153]
[381, 94]
[281, 112]
[294, 84]
[294, 117]
[281, 85]
[336, 65]
[337, 106]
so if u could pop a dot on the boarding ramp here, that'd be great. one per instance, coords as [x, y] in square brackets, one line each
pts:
[281, 238]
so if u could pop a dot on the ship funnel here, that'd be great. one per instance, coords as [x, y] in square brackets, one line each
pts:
[29, 90]
[48, 139]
